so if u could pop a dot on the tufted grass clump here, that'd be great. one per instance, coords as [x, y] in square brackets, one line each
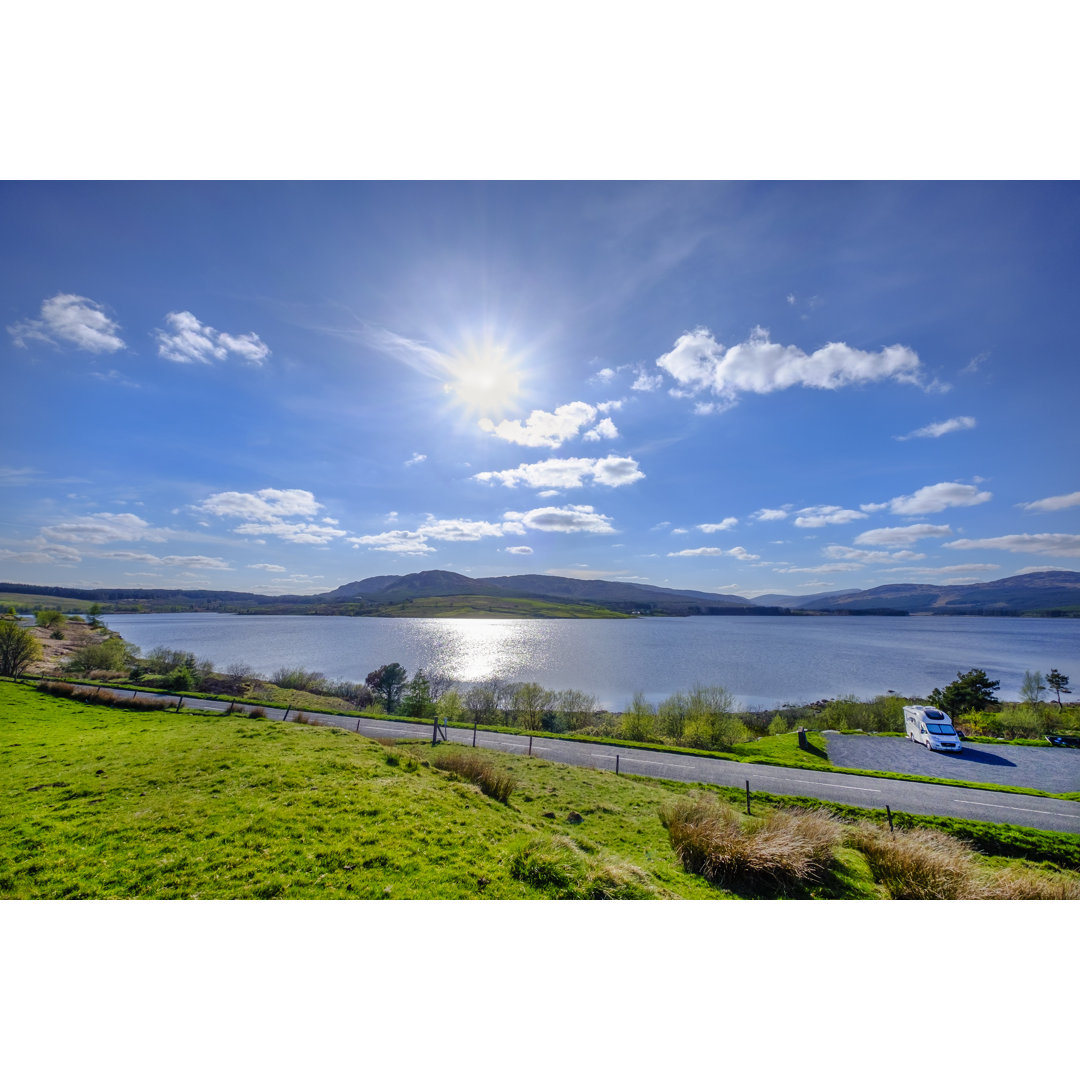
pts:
[711, 839]
[922, 864]
[557, 866]
[467, 765]
[102, 697]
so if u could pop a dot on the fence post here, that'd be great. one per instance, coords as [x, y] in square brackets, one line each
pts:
[748, 797]
[358, 719]
[474, 733]
[530, 746]
[616, 764]
[435, 731]
[178, 704]
[286, 716]
[888, 814]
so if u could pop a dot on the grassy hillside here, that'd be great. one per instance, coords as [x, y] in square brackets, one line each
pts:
[492, 607]
[30, 601]
[100, 802]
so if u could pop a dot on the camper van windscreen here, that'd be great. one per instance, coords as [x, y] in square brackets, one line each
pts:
[933, 714]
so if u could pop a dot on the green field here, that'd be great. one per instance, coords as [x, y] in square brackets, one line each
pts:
[100, 802]
[492, 607]
[30, 601]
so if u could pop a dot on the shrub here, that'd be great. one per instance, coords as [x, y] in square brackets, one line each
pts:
[557, 866]
[256, 713]
[98, 696]
[492, 782]
[711, 840]
[18, 649]
[638, 723]
[50, 619]
[314, 682]
[112, 654]
[778, 725]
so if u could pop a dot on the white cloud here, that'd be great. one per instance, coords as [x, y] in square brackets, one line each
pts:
[736, 552]
[720, 526]
[566, 519]
[1054, 502]
[187, 341]
[814, 517]
[190, 562]
[827, 568]
[960, 568]
[542, 428]
[67, 319]
[679, 532]
[104, 528]
[901, 536]
[605, 375]
[606, 429]
[698, 363]
[836, 551]
[43, 553]
[770, 515]
[1061, 545]
[269, 567]
[935, 431]
[268, 504]
[416, 459]
[562, 473]
[932, 500]
[647, 383]
[449, 530]
[522, 549]
[296, 532]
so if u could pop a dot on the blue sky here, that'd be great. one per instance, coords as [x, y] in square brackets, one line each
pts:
[739, 387]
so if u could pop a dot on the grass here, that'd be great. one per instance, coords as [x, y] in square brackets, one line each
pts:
[492, 607]
[98, 802]
[29, 601]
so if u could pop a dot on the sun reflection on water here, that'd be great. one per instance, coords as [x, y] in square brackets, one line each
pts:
[471, 650]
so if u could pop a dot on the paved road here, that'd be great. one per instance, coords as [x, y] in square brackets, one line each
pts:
[869, 791]
[1045, 768]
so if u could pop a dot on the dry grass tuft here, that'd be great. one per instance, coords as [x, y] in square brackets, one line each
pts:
[557, 866]
[711, 839]
[470, 766]
[925, 865]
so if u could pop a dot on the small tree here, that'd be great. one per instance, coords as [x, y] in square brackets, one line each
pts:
[529, 703]
[638, 723]
[973, 692]
[387, 684]
[1031, 689]
[18, 649]
[1059, 684]
[49, 618]
[417, 700]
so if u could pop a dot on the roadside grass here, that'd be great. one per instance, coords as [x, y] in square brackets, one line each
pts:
[780, 750]
[97, 802]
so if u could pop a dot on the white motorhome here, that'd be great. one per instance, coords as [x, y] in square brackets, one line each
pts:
[931, 727]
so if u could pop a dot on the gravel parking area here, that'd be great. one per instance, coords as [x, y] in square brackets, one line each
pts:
[1044, 769]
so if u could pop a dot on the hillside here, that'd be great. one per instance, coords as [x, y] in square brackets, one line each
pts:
[1055, 591]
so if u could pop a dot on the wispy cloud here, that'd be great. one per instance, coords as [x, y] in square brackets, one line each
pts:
[562, 519]
[902, 535]
[932, 499]
[739, 553]
[416, 459]
[188, 562]
[1053, 502]
[562, 473]
[265, 513]
[1061, 545]
[935, 431]
[67, 319]
[815, 517]
[104, 528]
[700, 364]
[719, 526]
[188, 341]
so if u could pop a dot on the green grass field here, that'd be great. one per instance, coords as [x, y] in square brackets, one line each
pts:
[100, 802]
[29, 601]
[492, 607]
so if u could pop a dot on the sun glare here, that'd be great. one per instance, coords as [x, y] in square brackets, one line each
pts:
[485, 379]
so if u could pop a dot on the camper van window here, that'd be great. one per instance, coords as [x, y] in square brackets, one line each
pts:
[933, 714]
[940, 729]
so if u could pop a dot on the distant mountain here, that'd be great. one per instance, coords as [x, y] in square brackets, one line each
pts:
[1053, 591]
[799, 601]
[624, 596]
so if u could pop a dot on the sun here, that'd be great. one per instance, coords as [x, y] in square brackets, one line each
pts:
[484, 378]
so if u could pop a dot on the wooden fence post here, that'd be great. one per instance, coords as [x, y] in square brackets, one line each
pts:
[888, 814]
[748, 797]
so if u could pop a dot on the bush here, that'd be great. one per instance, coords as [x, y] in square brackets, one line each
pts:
[97, 696]
[638, 723]
[557, 866]
[112, 654]
[711, 840]
[314, 682]
[492, 782]
[50, 619]
[778, 725]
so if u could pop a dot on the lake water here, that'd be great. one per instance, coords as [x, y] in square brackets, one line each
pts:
[765, 661]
